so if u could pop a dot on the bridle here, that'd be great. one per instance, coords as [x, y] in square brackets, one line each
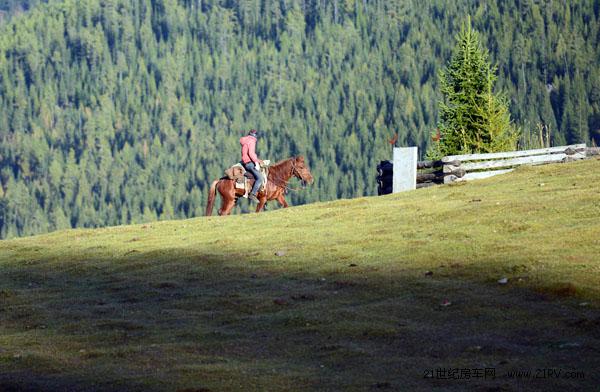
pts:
[296, 173]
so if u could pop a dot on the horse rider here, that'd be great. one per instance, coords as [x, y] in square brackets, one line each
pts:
[251, 162]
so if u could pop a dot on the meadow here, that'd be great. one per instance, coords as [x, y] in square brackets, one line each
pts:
[374, 293]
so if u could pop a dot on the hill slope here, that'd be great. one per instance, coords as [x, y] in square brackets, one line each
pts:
[119, 111]
[329, 296]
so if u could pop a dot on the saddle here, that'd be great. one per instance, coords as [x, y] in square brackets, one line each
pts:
[241, 176]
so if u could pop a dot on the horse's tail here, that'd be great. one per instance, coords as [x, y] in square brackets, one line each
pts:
[212, 193]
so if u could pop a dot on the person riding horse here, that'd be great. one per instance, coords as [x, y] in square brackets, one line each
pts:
[280, 174]
[251, 162]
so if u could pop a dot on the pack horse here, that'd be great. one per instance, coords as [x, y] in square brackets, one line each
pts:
[275, 188]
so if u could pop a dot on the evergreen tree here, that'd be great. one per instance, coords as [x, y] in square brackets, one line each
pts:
[472, 118]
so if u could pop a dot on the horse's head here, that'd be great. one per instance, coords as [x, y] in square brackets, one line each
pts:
[300, 170]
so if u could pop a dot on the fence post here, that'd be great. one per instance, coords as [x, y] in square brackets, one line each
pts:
[405, 169]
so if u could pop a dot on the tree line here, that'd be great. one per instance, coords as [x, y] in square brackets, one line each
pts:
[122, 111]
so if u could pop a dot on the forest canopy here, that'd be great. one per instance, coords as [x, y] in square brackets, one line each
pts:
[122, 111]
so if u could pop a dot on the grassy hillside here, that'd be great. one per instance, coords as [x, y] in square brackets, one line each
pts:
[363, 294]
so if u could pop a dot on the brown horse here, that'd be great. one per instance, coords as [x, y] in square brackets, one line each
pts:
[279, 175]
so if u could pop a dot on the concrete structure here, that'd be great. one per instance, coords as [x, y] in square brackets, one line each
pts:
[405, 169]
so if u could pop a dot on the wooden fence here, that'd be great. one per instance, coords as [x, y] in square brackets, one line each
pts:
[475, 166]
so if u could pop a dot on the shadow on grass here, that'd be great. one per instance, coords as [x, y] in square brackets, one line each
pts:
[179, 320]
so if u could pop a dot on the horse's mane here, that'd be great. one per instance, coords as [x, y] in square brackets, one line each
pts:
[283, 161]
[277, 168]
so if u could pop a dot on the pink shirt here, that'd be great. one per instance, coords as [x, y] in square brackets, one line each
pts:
[248, 149]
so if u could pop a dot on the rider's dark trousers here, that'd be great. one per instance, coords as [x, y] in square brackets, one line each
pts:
[258, 180]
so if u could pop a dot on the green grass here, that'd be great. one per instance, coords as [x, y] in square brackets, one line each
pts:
[206, 304]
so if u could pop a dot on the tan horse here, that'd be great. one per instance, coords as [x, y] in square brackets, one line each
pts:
[277, 183]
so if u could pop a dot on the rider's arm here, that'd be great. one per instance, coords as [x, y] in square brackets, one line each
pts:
[252, 153]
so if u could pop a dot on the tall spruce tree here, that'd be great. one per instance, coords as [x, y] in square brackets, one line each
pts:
[472, 117]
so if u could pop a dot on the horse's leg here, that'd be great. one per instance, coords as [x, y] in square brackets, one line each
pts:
[227, 191]
[227, 206]
[282, 202]
[261, 203]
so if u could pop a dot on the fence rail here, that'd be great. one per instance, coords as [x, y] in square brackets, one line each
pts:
[476, 166]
